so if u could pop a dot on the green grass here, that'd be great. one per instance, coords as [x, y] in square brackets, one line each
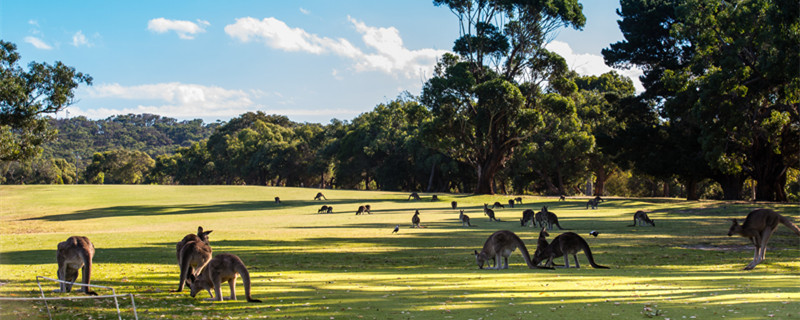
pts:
[343, 266]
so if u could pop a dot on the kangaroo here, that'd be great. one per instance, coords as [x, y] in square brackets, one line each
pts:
[562, 198]
[194, 252]
[73, 254]
[361, 210]
[568, 243]
[277, 200]
[641, 219]
[518, 199]
[330, 209]
[224, 267]
[415, 220]
[414, 196]
[548, 218]
[464, 219]
[758, 226]
[454, 205]
[323, 209]
[511, 203]
[497, 204]
[527, 216]
[320, 196]
[489, 212]
[500, 245]
[434, 198]
[592, 203]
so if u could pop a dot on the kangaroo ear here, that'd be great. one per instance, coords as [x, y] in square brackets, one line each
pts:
[199, 230]
[734, 222]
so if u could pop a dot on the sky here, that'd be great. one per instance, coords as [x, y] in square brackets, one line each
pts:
[310, 60]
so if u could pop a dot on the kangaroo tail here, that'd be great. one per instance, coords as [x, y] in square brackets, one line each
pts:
[788, 223]
[589, 256]
[524, 250]
[242, 270]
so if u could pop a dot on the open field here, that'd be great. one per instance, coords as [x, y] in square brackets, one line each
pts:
[343, 266]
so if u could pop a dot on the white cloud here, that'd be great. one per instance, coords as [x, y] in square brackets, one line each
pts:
[184, 29]
[592, 64]
[38, 43]
[304, 11]
[390, 55]
[33, 22]
[78, 39]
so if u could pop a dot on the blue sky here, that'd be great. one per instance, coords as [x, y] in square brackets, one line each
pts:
[309, 60]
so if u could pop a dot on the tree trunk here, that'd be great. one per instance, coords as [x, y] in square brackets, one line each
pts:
[600, 181]
[485, 181]
[732, 185]
[691, 190]
[665, 191]
[430, 178]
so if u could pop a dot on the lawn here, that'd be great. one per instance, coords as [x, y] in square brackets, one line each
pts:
[343, 266]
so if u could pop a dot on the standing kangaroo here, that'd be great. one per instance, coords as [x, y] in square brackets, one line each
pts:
[454, 205]
[527, 216]
[758, 226]
[194, 252]
[224, 267]
[489, 212]
[518, 200]
[75, 253]
[500, 245]
[415, 220]
[511, 203]
[464, 219]
[547, 218]
[568, 243]
[641, 219]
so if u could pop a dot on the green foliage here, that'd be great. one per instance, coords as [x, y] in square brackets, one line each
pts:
[119, 167]
[25, 96]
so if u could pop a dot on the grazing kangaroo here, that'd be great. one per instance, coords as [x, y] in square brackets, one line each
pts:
[547, 218]
[527, 216]
[497, 204]
[320, 196]
[464, 219]
[324, 209]
[368, 208]
[434, 198]
[568, 243]
[194, 252]
[500, 245]
[511, 203]
[224, 267]
[592, 203]
[75, 253]
[361, 209]
[562, 198]
[277, 200]
[489, 212]
[414, 196]
[641, 219]
[758, 226]
[454, 205]
[415, 220]
[519, 200]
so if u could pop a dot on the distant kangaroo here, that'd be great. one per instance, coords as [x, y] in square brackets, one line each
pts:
[434, 198]
[519, 200]
[414, 196]
[464, 219]
[592, 203]
[320, 196]
[277, 200]
[489, 212]
[500, 245]
[497, 204]
[368, 208]
[224, 267]
[758, 226]
[323, 209]
[511, 203]
[362, 210]
[75, 253]
[194, 252]
[548, 219]
[562, 198]
[415, 220]
[527, 216]
[641, 219]
[454, 205]
[568, 243]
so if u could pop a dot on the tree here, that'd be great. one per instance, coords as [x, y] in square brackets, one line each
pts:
[119, 167]
[25, 96]
[723, 76]
[483, 102]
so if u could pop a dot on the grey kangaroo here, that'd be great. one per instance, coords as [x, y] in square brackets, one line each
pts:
[75, 253]
[548, 219]
[527, 216]
[641, 219]
[758, 226]
[363, 209]
[454, 205]
[489, 212]
[568, 243]
[415, 220]
[224, 267]
[500, 245]
[320, 196]
[414, 196]
[194, 252]
[464, 219]
[497, 204]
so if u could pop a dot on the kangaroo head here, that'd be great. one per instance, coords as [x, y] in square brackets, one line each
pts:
[480, 259]
[197, 285]
[735, 228]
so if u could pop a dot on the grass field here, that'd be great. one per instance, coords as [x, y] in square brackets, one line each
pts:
[343, 266]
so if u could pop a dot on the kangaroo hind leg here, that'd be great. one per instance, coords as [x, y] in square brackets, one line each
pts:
[232, 285]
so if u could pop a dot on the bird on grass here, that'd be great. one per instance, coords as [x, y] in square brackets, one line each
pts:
[594, 233]
[396, 228]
